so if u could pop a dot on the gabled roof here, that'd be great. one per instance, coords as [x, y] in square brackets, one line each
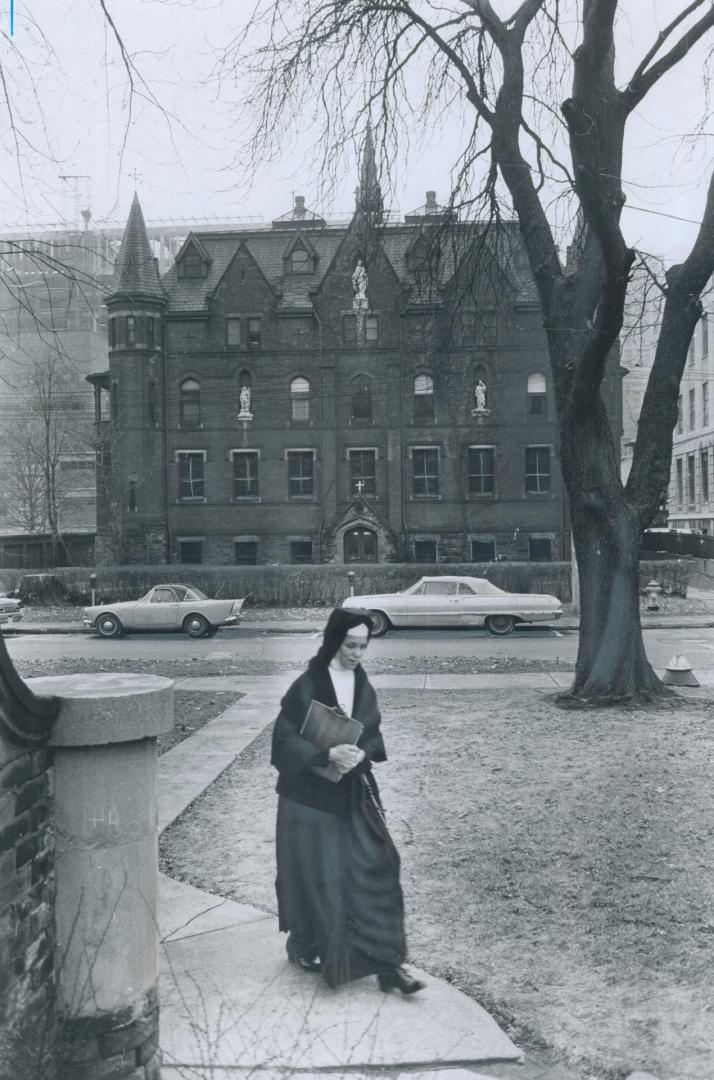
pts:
[135, 271]
[193, 241]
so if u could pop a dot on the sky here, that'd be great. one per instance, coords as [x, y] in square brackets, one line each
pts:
[76, 142]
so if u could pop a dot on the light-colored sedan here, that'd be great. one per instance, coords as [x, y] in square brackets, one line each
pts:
[165, 607]
[456, 601]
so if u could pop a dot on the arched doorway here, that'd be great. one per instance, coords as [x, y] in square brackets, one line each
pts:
[360, 545]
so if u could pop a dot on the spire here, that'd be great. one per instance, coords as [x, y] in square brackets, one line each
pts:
[369, 193]
[135, 270]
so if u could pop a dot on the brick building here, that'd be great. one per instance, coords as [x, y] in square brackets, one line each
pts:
[309, 392]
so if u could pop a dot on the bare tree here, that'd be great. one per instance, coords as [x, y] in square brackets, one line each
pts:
[527, 148]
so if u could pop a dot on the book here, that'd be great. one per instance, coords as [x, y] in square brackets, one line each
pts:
[327, 727]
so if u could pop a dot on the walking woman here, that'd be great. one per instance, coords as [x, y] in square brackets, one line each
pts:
[339, 896]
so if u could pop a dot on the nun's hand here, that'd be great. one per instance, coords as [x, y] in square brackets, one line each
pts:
[345, 757]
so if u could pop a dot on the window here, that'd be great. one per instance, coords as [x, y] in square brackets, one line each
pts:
[246, 474]
[481, 470]
[705, 404]
[301, 467]
[371, 328]
[132, 495]
[425, 551]
[300, 399]
[423, 399]
[540, 548]
[425, 472]
[232, 331]
[692, 409]
[437, 588]
[483, 550]
[151, 330]
[363, 472]
[691, 491]
[468, 325]
[190, 551]
[704, 475]
[349, 329]
[190, 474]
[190, 404]
[680, 423]
[537, 470]
[301, 551]
[114, 400]
[690, 354]
[537, 397]
[192, 265]
[705, 336]
[680, 483]
[131, 328]
[300, 261]
[152, 404]
[246, 552]
[362, 398]
[254, 335]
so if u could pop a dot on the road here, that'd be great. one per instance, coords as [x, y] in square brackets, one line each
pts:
[243, 642]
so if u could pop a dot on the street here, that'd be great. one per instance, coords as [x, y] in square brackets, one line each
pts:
[697, 645]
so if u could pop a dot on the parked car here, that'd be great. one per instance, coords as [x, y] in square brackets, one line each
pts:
[456, 601]
[10, 608]
[165, 607]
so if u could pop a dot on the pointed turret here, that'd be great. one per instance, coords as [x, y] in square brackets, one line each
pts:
[369, 193]
[135, 271]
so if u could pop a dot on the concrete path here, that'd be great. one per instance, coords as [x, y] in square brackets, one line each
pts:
[231, 1002]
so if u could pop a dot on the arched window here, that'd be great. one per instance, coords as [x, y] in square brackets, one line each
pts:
[190, 404]
[299, 261]
[537, 395]
[423, 399]
[361, 398]
[300, 399]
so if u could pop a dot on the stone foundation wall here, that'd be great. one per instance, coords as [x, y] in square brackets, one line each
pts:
[27, 925]
[111, 1046]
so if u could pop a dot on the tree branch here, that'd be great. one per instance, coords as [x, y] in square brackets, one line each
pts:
[643, 80]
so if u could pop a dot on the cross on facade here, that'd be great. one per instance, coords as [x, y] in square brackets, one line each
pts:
[359, 484]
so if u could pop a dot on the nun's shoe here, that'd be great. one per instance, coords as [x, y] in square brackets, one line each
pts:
[400, 979]
[306, 963]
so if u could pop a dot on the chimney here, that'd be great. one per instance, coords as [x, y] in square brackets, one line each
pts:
[431, 207]
[299, 209]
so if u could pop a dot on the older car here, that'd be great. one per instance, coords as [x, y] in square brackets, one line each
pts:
[10, 608]
[165, 607]
[456, 601]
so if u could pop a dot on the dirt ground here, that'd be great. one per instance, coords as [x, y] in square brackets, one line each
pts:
[556, 865]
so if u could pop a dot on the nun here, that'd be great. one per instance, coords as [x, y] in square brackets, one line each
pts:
[339, 895]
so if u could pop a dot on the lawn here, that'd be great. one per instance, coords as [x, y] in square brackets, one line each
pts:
[557, 865]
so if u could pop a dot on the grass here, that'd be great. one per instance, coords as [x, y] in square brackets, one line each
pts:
[556, 865]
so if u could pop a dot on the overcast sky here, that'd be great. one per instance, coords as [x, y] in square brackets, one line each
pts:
[184, 166]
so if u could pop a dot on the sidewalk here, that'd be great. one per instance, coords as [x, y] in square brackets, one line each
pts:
[231, 1002]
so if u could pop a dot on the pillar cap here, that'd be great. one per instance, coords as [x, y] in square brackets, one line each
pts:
[107, 708]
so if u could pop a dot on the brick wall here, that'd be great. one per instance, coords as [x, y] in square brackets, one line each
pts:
[27, 935]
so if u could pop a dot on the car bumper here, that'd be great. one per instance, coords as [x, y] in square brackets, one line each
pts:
[232, 620]
[10, 616]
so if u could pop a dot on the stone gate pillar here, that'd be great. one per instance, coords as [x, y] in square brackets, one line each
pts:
[104, 741]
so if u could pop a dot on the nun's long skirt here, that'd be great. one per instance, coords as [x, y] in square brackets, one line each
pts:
[339, 895]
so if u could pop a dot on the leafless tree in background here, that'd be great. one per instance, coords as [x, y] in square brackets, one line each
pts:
[531, 150]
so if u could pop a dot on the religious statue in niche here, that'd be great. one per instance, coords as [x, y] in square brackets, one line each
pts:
[244, 398]
[480, 396]
[359, 285]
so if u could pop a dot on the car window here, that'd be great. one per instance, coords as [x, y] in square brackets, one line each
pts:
[440, 588]
[163, 596]
[181, 594]
[466, 590]
[195, 594]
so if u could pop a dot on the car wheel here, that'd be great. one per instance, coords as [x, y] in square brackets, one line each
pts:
[196, 625]
[500, 625]
[109, 626]
[380, 623]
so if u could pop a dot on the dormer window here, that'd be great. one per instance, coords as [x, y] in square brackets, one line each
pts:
[300, 261]
[192, 265]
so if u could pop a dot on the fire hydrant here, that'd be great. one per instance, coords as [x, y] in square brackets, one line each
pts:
[653, 591]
